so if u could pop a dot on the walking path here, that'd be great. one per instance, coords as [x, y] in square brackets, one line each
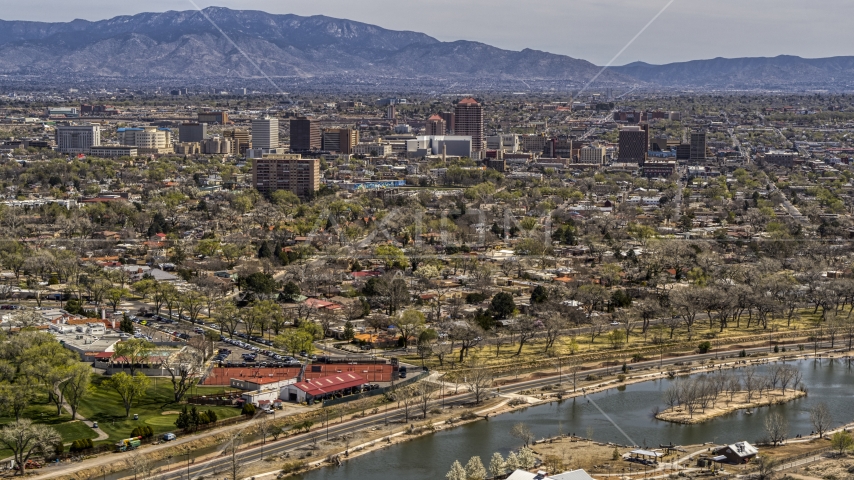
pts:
[102, 435]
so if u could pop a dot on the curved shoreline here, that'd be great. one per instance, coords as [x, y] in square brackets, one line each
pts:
[533, 401]
[738, 402]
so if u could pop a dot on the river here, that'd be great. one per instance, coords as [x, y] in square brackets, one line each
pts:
[630, 407]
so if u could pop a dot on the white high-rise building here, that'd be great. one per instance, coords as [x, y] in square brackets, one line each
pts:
[77, 138]
[265, 133]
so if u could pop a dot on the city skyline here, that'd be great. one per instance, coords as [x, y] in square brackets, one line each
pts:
[594, 31]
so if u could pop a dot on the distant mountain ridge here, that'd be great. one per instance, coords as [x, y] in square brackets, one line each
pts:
[784, 71]
[184, 45]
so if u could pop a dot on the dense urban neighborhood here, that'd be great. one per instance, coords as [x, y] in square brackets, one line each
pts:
[231, 281]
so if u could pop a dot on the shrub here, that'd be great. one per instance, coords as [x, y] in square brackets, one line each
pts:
[704, 346]
[81, 444]
[621, 377]
[248, 409]
[212, 418]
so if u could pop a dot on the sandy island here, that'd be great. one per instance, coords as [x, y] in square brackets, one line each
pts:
[724, 405]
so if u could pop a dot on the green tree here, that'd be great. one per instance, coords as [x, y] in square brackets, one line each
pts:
[259, 283]
[128, 387]
[502, 305]
[410, 323]
[133, 352]
[126, 325]
[294, 341]
[539, 295]
[290, 291]
[77, 387]
[842, 441]
[349, 331]
[391, 256]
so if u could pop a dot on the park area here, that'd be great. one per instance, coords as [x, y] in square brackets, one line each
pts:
[155, 409]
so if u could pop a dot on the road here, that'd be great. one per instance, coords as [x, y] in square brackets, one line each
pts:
[794, 212]
[220, 465]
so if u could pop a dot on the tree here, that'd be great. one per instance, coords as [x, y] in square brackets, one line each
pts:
[409, 323]
[115, 295]
[479, 380]
[475, 469]
[821, 418]
[290, 292]
[259, 283]
[539, 295]
[14, 398]
[228, 318]
[502, 305]
[349, 331]
[777, 428]
[497, 466]
[128, 387]
[765, 468]
[78, 385]
[457, 471]
[842, 441]
[525, 329]
[126, 325]
[133, 352]
[185, 368]
[391, 256]
[526, 458]
[523, 433]
[24, 438]
[295, 341]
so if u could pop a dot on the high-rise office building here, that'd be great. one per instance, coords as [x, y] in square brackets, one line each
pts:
[305, 135]
[435, 126]
[77, 138]
[286, 172]
[592, 154]
[192, 132]
[468, 119]
[391, 112]
[698, 146]
[240, 141]
[220, 118]
[634, 144]
[342, 140]
[448, 117]
[265, 133]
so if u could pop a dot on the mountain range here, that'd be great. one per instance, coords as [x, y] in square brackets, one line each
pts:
[218, 43]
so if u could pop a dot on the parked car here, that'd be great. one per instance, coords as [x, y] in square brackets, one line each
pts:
[168, 437]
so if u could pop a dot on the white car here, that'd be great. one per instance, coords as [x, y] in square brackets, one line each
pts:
[615, 324]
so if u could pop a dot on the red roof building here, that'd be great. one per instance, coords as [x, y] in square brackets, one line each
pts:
[324, 387]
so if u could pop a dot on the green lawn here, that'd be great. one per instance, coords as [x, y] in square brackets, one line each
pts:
[42, 412]
[105, 406]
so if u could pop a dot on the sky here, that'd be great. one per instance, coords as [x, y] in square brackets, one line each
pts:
[595, 30]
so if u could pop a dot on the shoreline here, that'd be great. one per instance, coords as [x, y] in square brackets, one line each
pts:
[533, 400]
[680, 415]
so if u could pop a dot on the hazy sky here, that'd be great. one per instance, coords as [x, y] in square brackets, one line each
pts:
[591, 29]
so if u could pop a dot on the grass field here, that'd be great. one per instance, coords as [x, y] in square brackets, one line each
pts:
[105, 407]
[534, 349]
[42, 412]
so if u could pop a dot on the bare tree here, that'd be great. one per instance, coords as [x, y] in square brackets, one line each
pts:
[777, 428]
[425, 393]
[788, 375]
[523, 433]
[821, 418]
[479, 380]
[185, 368]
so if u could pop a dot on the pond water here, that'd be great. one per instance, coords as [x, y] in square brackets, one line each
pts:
[630, 407]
